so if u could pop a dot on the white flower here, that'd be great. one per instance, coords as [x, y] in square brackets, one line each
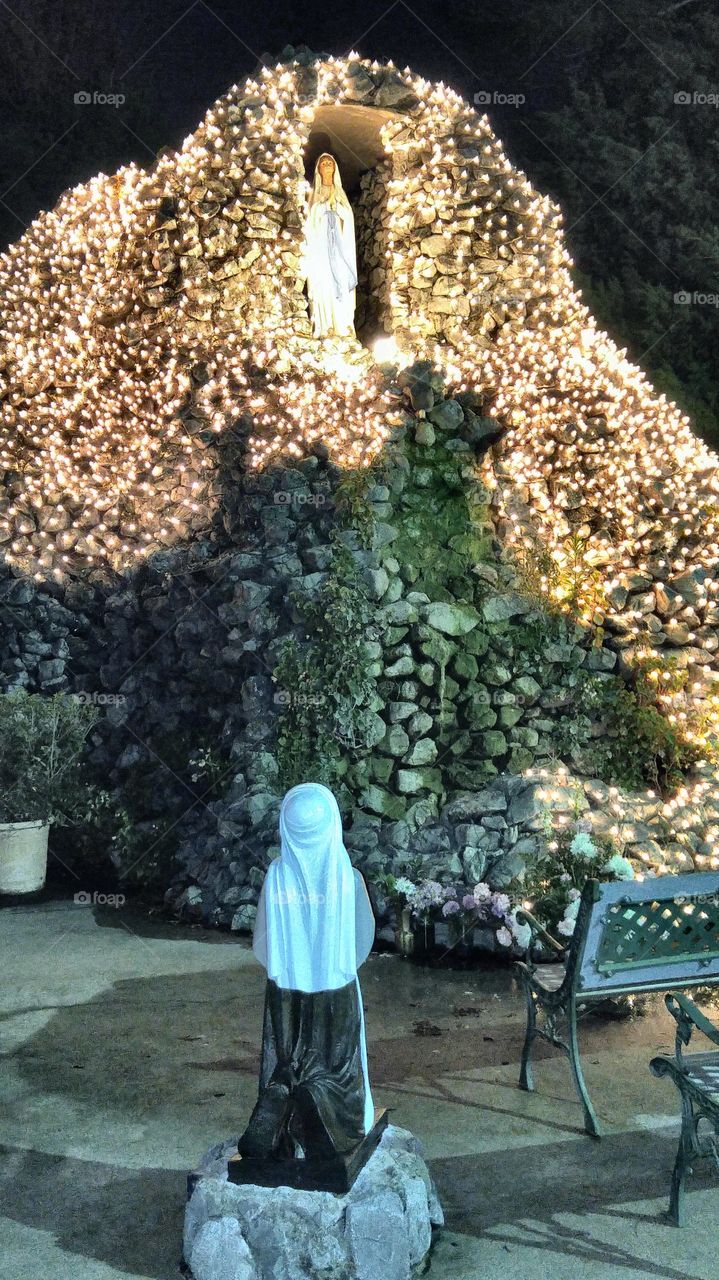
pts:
[482, 892]
[504, 937]
[404, 886]
[521, 932]
[572, 909]
[566, 927]
[583, 846]
[620, 867]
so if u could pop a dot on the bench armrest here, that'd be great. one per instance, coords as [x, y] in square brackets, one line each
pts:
[687, 1017]
[539, 933]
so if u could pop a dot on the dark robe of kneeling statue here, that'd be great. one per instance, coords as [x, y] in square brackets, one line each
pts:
[314, 929]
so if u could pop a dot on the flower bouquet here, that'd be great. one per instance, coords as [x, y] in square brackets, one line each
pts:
[569, 857]
[422, 904]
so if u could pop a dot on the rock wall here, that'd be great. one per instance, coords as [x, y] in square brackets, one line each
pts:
[494, 549]
[137, 279]
[225, 670]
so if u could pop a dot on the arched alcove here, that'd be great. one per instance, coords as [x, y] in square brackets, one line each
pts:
[352, 134]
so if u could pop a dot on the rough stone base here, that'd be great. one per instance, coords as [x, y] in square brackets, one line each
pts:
[382, 1227]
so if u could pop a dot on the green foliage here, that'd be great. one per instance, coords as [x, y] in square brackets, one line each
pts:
[568, 856]
[207, 767]
[42, 772]
[352, 503]
[439, 523]
[327, 693]
[638, 745]
[564, 582]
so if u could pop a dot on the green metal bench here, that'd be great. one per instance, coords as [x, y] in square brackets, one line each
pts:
[630, 937]
[697, 1079]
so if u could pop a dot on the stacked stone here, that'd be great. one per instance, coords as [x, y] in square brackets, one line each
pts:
[38, 637]
[644, 603]
[382, 1226]
[371, 230]
[188, 643]
[202, 257]
[444, 202]
[202, 260]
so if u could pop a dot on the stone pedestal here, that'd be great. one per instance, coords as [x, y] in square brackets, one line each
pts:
[381, 1227]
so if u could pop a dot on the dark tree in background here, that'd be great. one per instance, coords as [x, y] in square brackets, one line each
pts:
[629, 148]
[617, 122]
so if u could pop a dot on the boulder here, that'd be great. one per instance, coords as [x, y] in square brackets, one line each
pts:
[451, 619]
[381, 1227]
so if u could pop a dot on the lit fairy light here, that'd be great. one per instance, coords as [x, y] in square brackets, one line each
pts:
[149, 311]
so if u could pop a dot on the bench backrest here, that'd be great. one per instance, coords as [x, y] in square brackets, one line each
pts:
[647, 935]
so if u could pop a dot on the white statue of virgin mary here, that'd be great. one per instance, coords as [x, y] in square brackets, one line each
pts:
[330, 255]
[314, 929]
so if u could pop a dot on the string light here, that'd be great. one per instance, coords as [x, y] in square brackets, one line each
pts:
[151, 311]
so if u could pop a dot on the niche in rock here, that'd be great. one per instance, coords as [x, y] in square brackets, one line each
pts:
[351, 133]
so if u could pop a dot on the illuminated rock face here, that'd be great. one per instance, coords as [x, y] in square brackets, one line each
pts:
[150, 305]
[155, 327]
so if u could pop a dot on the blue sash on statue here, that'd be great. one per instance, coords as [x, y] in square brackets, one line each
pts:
[342, 270]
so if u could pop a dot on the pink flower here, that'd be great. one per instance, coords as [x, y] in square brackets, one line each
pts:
[469, 902]
[450, 908]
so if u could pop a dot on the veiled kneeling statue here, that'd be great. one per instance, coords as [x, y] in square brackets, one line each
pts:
[314, 1121]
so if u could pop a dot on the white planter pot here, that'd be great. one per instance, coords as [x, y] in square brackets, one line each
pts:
[23, 856]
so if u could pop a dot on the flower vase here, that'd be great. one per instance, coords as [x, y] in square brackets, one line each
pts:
[404, 932]
[423, 939]
[461, 941]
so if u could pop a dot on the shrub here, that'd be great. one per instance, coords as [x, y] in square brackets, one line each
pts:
[41, 769]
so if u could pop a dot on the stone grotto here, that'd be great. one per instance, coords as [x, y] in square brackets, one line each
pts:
[462, 568]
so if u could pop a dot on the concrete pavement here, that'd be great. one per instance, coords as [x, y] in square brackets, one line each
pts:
[129, 1046]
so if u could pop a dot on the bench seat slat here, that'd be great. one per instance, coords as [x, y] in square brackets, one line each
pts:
[703, 1070]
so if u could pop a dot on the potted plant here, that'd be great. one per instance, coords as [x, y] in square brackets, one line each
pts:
[41, 779]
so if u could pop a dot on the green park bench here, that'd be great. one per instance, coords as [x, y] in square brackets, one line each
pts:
[697, 1079]
[630, 937]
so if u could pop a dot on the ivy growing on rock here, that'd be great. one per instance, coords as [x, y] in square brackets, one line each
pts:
[327, 693]
[619, 734]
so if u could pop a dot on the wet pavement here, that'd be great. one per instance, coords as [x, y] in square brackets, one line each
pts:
[131, 1045]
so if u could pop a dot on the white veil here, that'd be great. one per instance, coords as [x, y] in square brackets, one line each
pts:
[314, 924]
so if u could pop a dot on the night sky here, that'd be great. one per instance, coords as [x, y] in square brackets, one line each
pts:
[173, 59]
